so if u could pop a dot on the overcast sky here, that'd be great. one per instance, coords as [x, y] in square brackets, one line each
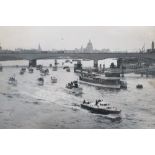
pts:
[114, 38]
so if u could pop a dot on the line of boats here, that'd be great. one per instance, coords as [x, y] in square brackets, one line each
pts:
[99, 107]
[73, 87]
[43, 72]
[41, 80]
[92, 79]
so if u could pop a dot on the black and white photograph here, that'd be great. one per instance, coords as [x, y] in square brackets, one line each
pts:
[77, 77]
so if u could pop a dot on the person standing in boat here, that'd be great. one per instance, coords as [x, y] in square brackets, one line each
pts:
[96, 102]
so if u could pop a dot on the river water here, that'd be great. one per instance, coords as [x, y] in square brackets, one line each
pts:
[28, 105]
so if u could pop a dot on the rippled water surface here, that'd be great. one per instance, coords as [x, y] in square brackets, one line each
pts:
[28, 105]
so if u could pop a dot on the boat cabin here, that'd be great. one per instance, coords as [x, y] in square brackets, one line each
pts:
[93, 78]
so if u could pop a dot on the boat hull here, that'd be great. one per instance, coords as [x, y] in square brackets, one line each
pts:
[54, 80]
[76, 91]
[40, 83]
[99, 110]
[100, 85]
[14, 83]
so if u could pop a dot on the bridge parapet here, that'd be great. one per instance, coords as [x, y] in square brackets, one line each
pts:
[72, 55]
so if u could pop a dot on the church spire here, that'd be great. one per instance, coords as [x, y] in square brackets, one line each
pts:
[39, 48]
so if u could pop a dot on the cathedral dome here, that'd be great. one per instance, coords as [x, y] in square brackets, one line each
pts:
[89, 47]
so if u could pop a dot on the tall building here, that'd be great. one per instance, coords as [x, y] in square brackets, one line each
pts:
[89, 47]
[152, 49]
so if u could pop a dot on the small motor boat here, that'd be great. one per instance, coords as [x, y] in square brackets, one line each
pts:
[23, 69]
[39, 67]
[99, 107]
[139, 86]
[44, 72]
[65, 67]
[68, 69]
[12, 81]
[30, 70]
[54, 79]
[40, 81]
[123, 84]
[21, 72]
[73, 87]
[54, 68]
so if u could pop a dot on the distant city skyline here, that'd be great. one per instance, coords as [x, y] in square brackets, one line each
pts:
[71, 37]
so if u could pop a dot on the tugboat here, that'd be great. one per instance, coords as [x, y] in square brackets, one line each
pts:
[12, 81]
[73, 87]
[53, 79]
[99, 107]
[40, 81]
[139, 86]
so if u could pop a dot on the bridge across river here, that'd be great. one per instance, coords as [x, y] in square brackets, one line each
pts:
[34, 56]
[138, 70]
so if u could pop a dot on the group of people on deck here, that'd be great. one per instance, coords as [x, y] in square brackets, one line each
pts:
[96, 103]
[84, 102]
[73, 84]
[12, 79]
